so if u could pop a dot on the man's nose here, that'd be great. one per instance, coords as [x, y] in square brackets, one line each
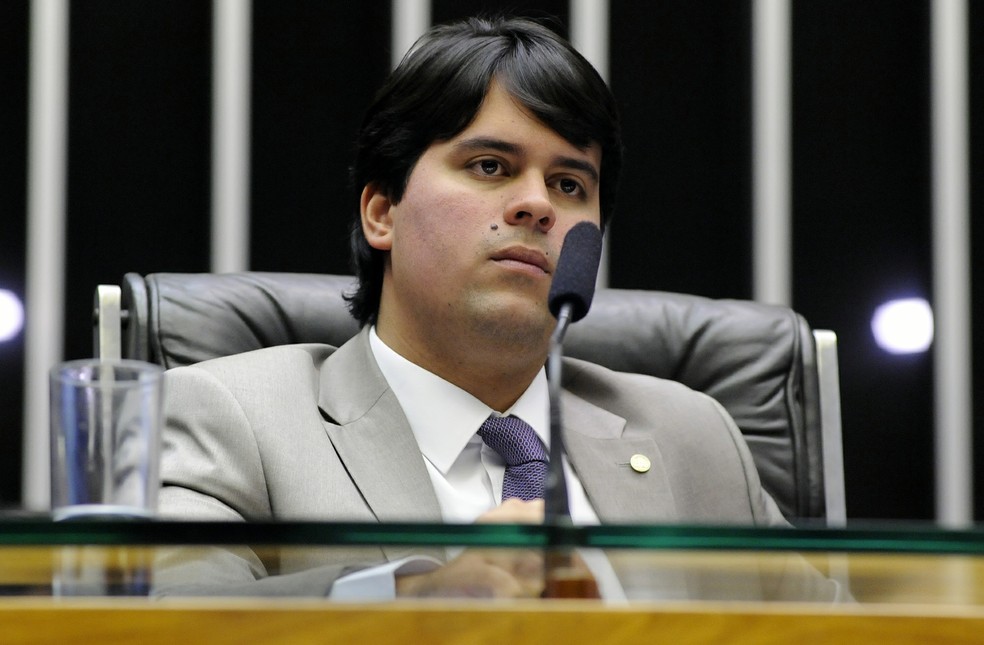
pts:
[530, 205]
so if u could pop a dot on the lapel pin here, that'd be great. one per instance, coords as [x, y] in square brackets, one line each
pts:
[640, 463]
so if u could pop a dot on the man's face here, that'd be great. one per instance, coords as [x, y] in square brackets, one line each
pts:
[474, 241]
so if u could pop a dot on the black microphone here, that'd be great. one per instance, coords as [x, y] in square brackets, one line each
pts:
[577, 271]
[570, 298]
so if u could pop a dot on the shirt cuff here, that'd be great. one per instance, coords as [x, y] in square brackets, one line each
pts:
[379, 582]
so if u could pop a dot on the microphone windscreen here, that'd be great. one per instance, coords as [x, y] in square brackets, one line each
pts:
[577, 270]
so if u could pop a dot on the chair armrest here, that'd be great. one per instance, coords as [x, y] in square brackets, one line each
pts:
[831, 437]
[107, 323]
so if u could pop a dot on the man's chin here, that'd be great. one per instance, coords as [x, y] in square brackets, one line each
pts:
[517, 323]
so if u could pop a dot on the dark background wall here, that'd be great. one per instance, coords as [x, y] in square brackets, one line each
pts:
[861, 199]
[13, 230]
[139, 149]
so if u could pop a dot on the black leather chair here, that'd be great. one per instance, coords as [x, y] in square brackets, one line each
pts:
[775, 376]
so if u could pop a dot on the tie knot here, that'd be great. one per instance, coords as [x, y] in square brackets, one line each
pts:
[520, 448]
[513, 439]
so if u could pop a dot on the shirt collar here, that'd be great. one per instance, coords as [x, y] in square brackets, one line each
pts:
[444, 417]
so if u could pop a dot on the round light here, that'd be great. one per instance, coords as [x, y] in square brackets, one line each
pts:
[11, 315]
[903, 326]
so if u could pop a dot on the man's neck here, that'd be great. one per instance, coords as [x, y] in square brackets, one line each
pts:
[496, 376]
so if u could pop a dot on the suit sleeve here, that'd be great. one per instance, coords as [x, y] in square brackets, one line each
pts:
[792, 577]
[210, 464]
[211, 469]
[765, 511]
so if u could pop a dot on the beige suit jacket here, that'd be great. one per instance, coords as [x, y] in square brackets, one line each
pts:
[308, 432]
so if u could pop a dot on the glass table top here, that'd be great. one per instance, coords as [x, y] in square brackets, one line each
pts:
[874, 563]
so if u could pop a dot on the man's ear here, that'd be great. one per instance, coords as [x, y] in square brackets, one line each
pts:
[377, 221]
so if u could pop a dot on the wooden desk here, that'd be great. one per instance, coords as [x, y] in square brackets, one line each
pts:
[217, 622]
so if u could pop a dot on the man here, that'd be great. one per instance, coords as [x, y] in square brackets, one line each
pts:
[491, 140]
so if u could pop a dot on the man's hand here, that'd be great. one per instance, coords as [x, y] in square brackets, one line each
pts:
[486, 573]
[514, 511]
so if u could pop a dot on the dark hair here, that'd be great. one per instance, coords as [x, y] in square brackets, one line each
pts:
[437, 90]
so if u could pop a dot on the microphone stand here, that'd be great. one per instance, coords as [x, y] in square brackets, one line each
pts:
[563, 577]
[557, 504]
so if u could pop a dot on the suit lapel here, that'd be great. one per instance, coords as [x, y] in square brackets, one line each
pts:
[374, 440]
[600, 456]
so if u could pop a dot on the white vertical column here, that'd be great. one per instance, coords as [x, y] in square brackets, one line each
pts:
[589, 32]
[771, 157]
[590, 20]
[231, 70]
[46, 170]
[951, 264]
[410, 19]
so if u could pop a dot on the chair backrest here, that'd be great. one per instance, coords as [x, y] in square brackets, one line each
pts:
[759, 361]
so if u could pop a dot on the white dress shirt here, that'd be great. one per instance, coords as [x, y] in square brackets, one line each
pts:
[467, 475]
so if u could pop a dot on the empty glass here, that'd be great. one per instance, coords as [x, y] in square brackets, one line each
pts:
[105, 439]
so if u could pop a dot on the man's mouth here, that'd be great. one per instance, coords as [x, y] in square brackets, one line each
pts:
[522, 257]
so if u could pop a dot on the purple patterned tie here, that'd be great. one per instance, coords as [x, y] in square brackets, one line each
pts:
[525, 457]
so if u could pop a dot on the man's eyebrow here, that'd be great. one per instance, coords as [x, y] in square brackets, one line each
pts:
[586, 167]
[491, 143]
[486, 143]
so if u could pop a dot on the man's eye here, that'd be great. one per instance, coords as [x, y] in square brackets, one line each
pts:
[489, 166]
[569, 186]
